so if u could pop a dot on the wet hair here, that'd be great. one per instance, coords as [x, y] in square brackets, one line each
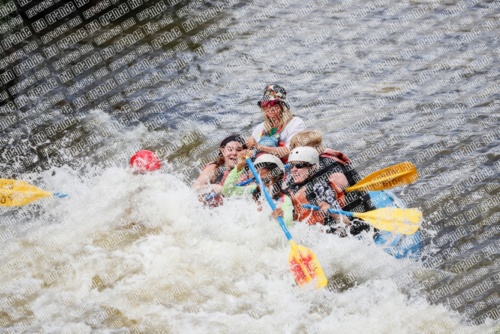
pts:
[234, 137]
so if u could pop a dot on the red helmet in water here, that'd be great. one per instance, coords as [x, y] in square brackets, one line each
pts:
[145, 161]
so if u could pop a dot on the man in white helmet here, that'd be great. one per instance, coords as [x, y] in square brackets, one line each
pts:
[310, 187]
[271, 171]
[339, 169]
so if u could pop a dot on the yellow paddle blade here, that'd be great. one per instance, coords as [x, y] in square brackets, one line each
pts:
[397, 220]
[305, 266]
[387, 178]
[17, 193]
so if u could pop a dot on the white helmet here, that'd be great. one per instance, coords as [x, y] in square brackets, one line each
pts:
[270, 159]
[306, 154]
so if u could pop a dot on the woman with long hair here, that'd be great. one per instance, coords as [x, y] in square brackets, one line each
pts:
[280, 125]
[215, 173]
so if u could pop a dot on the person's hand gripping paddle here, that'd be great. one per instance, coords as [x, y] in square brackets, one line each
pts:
[304, 265]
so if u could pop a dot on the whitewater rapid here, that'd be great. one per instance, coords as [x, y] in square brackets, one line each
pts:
[128, 253]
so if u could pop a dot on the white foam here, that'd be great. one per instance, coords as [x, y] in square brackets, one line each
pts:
[139, 251]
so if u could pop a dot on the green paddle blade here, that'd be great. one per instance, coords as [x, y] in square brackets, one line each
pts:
[305, 266]
[17, 193]
[393, 176]
[397, 220]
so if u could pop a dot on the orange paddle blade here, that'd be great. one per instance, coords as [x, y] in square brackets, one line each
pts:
[16, 193]
[305, 266]
[387, 178]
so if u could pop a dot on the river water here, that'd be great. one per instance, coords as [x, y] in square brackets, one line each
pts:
[386, 82]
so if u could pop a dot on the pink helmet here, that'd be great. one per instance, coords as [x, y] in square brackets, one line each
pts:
[145, 161]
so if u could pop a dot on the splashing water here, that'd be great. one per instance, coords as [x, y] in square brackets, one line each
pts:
[139, 253]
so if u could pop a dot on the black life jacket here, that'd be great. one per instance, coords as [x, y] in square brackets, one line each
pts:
[221, 174]
[355, 201]
[358, 201]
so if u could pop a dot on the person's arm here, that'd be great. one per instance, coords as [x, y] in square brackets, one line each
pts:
[280, 152]
[287, 210]
[230, 188]
[252, 142]
[327, 199]
[339, 180]
[255, 136]
[204, 179]
[294, 127]
[324, 206]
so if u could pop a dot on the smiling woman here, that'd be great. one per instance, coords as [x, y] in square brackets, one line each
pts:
[215, 173]
[280, 125]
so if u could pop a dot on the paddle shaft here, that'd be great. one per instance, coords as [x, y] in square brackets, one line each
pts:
[268, 197]
[338, 212]
[299, 256]
[244, 183]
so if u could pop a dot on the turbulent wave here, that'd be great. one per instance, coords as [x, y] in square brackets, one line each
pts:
[140, 253]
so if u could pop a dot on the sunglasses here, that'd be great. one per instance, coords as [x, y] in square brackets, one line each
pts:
[299, 165]
[268, 103]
